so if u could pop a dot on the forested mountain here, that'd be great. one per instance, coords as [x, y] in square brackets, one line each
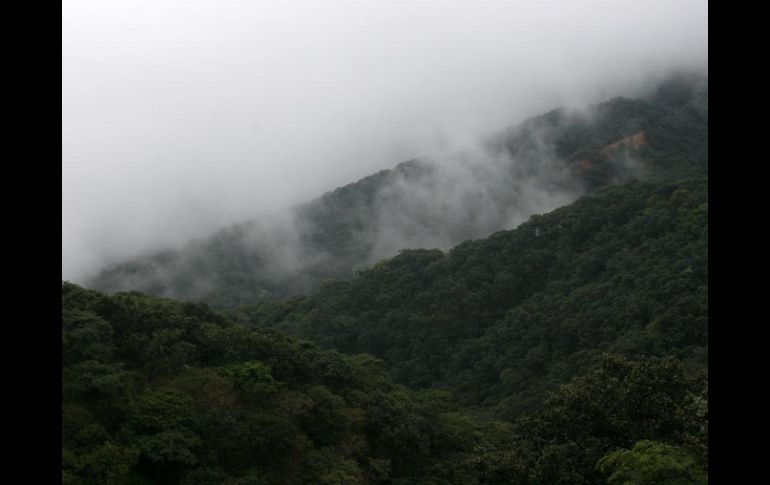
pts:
[504, 319]
[542, 164]
[516, 343]
[158, 391]
[165, 392]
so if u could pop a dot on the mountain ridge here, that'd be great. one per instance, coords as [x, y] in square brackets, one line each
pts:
[542, 163]
[569, 349]
[504, 320]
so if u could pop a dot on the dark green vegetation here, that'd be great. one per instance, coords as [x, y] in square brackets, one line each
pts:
[503, 320]
[630, 422]
[570, 350]
[533, 168]
[164, 392]
[158, 391]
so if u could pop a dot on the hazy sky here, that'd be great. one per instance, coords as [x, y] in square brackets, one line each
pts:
[180, 116]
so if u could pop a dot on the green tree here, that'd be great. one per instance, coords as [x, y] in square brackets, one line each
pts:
[652, 463]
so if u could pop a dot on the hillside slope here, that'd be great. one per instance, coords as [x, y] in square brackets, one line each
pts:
[503, 320]
[165, 392]
[544, 163]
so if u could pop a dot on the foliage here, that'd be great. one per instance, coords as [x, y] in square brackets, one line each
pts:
[646, 404]
[650, 462]
[504, 320]
[240, 406]
[570, 350]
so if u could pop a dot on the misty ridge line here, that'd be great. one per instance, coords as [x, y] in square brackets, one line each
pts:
[432, 202]
[420, 203]
[180, 118]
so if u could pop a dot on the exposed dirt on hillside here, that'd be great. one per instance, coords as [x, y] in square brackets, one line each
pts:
[635, 141]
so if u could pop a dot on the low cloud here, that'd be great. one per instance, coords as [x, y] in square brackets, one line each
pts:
[182, 117]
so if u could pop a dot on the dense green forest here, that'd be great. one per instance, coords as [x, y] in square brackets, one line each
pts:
[502, 320]
[552, 159]
[159, 391]
[571, 348]
[165, 392]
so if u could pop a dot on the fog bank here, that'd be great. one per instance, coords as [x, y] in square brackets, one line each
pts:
[180, 117]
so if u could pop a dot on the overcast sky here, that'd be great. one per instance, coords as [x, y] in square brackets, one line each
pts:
[179, 116]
